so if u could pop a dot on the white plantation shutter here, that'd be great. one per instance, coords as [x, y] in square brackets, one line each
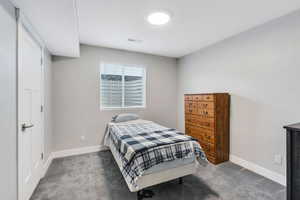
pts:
[122, 86]
[134, 86]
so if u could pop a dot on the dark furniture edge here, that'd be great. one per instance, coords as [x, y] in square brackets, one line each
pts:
[295, 127]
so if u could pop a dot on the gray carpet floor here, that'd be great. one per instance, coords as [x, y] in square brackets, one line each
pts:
[96, 176]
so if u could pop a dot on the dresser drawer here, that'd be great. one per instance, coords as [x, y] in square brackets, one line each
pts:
[188, 107]
[206, 105]
[194, 108]
[194, 133]
[208, 148]
[187, 129]
[207, 97]
[206, 112]
[197, 137]
[188, 97]
[188, 118]
[197, 97]
[204, 122]
[204, 135]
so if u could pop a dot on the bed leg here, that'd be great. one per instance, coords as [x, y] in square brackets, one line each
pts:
[144, 194]
[180, 180]
[139, 195]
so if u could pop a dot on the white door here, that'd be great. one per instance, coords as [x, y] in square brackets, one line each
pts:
[30, 114]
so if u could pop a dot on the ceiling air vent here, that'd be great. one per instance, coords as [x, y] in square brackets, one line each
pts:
[134, 40]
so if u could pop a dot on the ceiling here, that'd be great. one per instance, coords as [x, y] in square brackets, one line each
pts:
[56, 21]
[195, 24]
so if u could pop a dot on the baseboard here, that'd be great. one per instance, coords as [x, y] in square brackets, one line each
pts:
[70, 152]
[47, 164]
[274, 176]
[78, 151]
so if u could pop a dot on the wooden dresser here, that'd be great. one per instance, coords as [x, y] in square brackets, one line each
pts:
[207, 119]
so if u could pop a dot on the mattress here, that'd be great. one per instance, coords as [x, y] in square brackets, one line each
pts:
[160, 173]
[160, 167]
[139, 175]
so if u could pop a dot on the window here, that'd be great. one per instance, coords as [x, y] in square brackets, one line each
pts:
[122, 86]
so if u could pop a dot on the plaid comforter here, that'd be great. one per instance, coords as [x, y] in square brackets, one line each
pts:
[146, 144]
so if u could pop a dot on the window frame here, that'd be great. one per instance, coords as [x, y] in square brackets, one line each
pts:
[123, 107]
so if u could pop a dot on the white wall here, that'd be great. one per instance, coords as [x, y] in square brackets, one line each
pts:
[76, 98]
[260, 69]
[8, 141]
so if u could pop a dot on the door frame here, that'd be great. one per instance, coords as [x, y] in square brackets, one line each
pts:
[23, 24]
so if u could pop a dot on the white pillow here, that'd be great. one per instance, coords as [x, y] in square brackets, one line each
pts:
[125, 117]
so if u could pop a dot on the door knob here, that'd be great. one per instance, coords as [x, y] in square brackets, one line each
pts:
[24, 126]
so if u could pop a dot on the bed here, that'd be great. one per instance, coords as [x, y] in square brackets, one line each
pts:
[148, 153]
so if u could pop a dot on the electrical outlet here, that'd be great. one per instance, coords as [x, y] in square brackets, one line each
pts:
[82, 138]
[278, 159]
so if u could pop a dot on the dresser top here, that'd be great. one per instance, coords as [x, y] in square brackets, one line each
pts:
[293, 127]
[206, 93]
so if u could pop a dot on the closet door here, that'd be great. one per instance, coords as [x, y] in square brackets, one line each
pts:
[30, 114]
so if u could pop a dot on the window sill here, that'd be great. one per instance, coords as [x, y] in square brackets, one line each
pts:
[123, 108]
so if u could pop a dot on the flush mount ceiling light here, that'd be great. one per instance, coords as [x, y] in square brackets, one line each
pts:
[159, 18]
